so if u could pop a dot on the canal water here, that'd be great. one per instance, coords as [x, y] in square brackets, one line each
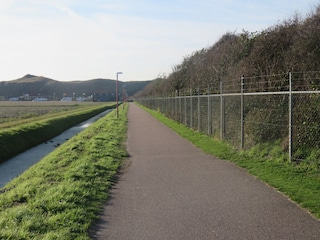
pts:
[18, 164]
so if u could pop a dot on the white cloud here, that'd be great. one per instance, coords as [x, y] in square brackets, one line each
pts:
[72, 45]
[76, 39]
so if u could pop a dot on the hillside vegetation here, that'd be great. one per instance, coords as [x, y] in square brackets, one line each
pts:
[55, 90]
[251, 62]
[289, 46]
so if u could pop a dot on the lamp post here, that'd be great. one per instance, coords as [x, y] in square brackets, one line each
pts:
[117, 93]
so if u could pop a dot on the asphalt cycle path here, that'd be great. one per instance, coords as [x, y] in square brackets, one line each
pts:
[172, 190]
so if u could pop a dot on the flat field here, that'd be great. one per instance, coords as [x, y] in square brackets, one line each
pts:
[21, 111]
[26, 124]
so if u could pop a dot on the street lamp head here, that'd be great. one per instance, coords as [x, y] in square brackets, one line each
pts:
[119, 73]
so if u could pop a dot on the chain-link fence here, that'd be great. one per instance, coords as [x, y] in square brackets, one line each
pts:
[281, 110]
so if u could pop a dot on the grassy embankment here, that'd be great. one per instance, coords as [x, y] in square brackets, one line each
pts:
[21, 136]
[60, 196]
[299, 182]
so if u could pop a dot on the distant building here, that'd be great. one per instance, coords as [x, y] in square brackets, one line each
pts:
[66, 99]
[39, 99]
[27, 97]
[80, 99]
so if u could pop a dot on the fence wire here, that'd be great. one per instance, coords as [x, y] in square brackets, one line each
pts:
[281, 110]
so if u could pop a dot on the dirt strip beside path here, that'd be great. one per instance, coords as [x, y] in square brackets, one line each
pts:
[172, 190]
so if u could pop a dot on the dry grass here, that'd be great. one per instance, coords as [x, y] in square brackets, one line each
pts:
[17, 111]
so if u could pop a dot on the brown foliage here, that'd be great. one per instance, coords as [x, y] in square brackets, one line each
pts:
[292, 45]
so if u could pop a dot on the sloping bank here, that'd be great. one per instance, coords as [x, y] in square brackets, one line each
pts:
[18, 139]
[60, 196]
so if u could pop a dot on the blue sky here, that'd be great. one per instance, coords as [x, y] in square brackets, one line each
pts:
[80, 39]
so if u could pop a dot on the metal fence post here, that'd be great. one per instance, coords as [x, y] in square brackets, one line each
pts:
[290, 117]
[242, 112]
[180, 107]
[209, 113]
[199, 113]
[191, 110]
[176, 105]
[221, 111]
[166, 104]
[185, 108]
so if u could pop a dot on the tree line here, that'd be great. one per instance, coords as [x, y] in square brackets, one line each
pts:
[289, 46]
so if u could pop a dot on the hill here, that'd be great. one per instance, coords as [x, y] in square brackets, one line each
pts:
[55, 90]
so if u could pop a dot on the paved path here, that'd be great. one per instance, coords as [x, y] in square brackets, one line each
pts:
[172, 190]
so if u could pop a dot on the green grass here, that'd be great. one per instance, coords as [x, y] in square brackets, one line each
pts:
[61, 196]
[17, 139]
[301, 182]
[22, 112]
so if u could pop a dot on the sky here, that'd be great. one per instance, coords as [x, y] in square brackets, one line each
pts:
[69, 40]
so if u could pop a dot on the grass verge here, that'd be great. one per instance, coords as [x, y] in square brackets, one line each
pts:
[60, 196]
[20, 138]
[299, 182]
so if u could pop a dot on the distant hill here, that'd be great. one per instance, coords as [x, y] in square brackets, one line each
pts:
[45, 87]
